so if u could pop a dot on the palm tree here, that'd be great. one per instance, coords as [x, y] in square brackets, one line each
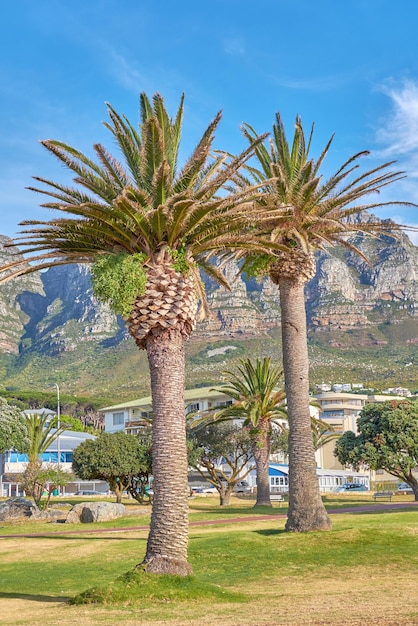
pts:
[259, 403]
[147, 227]
[315, 214]
[41, 432]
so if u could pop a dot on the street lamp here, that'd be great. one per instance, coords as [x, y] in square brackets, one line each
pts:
[58, 423]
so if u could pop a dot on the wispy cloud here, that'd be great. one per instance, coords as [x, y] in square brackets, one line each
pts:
[125, 72]
[235, 46]
[398, 133]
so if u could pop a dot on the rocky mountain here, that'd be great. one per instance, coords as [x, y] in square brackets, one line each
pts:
[354, 308]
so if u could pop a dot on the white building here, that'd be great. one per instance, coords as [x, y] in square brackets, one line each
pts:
[130, 416]
[59, 453]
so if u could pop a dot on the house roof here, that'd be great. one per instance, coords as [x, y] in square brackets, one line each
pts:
[69, 440]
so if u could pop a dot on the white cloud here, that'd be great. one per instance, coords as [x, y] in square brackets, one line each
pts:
[399, 130]
[413, 234]
[125, 73]
[234, 46]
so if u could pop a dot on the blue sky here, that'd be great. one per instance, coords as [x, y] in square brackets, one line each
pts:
[351, 67]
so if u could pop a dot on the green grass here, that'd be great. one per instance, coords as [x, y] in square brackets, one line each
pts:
[234, 565]
[222, 554]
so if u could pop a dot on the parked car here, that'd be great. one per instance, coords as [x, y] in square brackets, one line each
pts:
[85, 492]
[404, 488]
[204, 489]
[351, 488]
[242, 487]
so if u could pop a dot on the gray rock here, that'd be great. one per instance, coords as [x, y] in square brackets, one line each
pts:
[88, 512]
[18, 508]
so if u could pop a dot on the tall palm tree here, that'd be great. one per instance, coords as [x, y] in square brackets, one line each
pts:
[258, 402]
[316, 213]
[147, 226]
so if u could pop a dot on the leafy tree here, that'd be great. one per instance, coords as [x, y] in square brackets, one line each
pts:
[315, 213]
[387, 439]
[38, 479]
[213, 444]
[148, 227]
[258, 402]
[70, 423]
[118, 458]
[13, 430]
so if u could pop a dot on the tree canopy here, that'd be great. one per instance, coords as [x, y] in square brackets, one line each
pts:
[13, 429]
[117, 458]
[214, 446]
[387, 439]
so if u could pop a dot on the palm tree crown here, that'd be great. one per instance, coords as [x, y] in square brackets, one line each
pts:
[254, 387]
[315, 213]
[146, 206]
[42, 432]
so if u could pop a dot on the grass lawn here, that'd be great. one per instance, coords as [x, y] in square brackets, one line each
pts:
[362, 573]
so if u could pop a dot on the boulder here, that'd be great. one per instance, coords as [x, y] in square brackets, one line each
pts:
[88, 512]
[18, 508]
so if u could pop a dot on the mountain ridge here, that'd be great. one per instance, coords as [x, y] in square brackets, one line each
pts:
[358, 315]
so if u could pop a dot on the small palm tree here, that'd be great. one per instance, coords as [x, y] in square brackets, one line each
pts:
[258, 402]
[147, 227]
[42, 432]
[316, 214]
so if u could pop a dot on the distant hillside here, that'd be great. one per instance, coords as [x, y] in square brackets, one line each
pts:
[363, 326]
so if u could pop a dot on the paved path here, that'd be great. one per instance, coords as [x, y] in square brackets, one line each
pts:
[369, 508]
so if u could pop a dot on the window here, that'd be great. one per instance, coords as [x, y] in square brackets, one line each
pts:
[118, 418]
[193, 407]
[52, 457]
[17, 457]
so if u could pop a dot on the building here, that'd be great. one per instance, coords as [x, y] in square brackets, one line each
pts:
[130, 416]
[328, 479]
[59, 453]
[341, 411]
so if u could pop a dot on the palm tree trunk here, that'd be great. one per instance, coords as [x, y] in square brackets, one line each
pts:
[306, 509]
[261, 454]
[168, 538]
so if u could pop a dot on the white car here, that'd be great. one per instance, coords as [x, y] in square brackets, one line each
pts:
[404, 488]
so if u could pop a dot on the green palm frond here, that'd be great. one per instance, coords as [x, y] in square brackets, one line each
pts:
[254, 388]
[142, 202]
[41, 434]
[316, 211]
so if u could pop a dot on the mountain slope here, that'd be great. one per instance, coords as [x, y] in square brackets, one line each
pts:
[362, 318]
